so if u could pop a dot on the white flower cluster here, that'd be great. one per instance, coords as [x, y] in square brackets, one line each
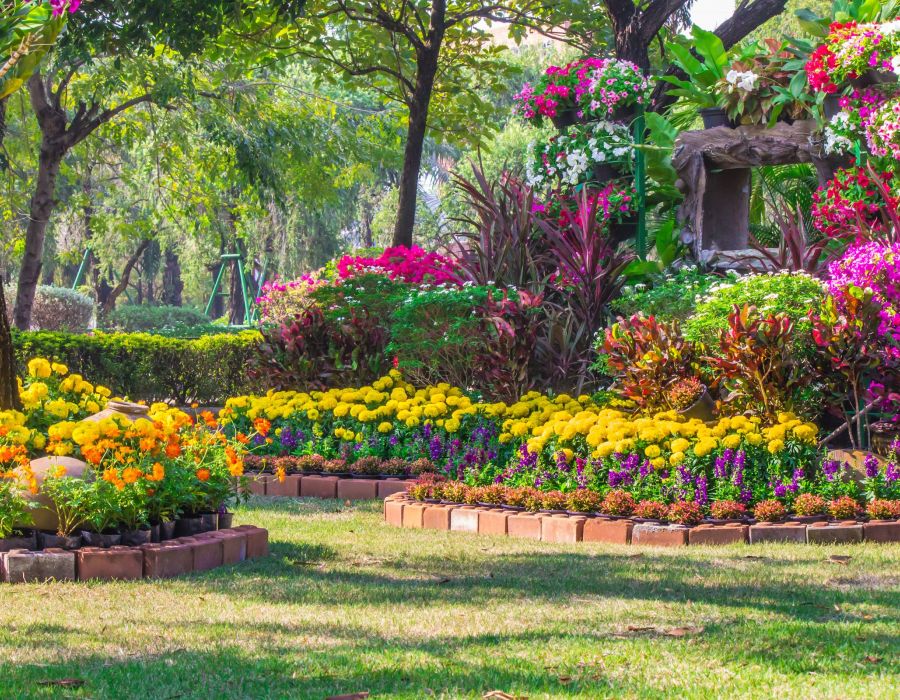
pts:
[570, 157]
[744, 80]
[838, 134]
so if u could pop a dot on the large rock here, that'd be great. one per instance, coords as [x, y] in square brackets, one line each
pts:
[44, 517]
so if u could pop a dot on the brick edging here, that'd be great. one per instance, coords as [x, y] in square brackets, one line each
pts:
[402, 511]
[183, 555]
[325, 486]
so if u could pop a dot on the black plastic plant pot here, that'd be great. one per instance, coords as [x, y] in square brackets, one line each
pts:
[135, 538]
[23, 539]
[166, 530]
[564, 119]
[831, 107]
[714, 117]
[209, 522]
[49, 540]
[226, 520]
[100, 539]
[185, 527]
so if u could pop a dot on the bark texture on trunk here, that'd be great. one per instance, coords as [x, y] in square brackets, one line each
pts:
[427, 57]
[9, 388]
[110, 302]
[173, 286]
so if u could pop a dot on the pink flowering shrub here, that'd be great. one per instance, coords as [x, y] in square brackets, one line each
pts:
[850, 51]
[591, 87]
[402, 264]
[883, 130]
[875, 266]
[280, 301]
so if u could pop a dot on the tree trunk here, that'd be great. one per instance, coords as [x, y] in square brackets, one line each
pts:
[9, 388]
[110, 302]
[415, 144]
[41, 208]
[173, 286]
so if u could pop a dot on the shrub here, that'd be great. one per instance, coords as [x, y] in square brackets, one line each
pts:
[843, 508]
[584, 501]
[134, 318]
[882, 509]
[335, 466]
[58, 309]
[809, 504]
[554, 500]
[672, 298]
[727, 510]
[651, 510]
[151, 368]
[311, 463]
[619, 503]
[421, 466]
[518, 497]
[791, 294]
[684, 393]
[492, 494]
[759, 369]
[685, 513]
[769, 511]
[645, 355]
[373, 465]
[455, 492]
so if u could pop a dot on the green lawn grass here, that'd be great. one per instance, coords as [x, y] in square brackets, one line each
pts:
[348, 604]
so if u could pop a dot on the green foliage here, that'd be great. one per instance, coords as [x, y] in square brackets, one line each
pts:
[705, 61]
[15, 509]
[28, 31]
[670, 297]
[150, 367]
[58, 309]
[792, 294]
[134, 318]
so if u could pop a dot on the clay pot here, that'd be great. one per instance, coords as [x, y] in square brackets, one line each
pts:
[44, 518]
[124, 409]
[26, 539]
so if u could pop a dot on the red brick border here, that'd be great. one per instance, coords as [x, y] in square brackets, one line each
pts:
[171, 558]
[402, 511]
[325, 486]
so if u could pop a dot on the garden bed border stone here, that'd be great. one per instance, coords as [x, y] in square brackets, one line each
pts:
[402, 511]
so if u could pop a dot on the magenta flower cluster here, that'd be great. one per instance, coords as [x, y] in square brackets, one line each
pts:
[876, 266]
[593, 87]
[410, 265]
[60, 6]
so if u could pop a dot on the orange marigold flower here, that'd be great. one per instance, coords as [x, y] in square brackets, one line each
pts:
[130, 475]
[158, 473]
[262, 426]
[203, 474]
[173, 449]
[241, 438]
[58, 471]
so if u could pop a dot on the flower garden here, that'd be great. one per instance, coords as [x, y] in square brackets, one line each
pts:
[618, 385]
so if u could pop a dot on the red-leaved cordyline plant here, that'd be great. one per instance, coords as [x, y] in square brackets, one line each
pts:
[499, 244]
[590, 273]
[848, 341]
[646, 354]
[756, 361]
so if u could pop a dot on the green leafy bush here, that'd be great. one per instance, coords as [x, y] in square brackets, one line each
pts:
[133, 318]
[790, 293]
[58, 309]
[669, 298]
[147, 367]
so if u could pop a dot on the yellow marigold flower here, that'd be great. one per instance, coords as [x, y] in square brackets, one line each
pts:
[776, 446]
[680, 445]
[385, 427]
[676, 458]
[806, 432]
[754, 438]
[59, 369]
[658, 463]
[731, 441]
[39, 368]
[652, 451]
[605, 449]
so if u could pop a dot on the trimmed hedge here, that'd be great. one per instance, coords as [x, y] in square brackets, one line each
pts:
[150, 368]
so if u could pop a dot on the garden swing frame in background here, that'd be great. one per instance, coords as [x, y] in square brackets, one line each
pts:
[236, 262]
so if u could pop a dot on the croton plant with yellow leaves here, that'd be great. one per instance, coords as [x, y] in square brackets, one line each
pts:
[147, 471]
